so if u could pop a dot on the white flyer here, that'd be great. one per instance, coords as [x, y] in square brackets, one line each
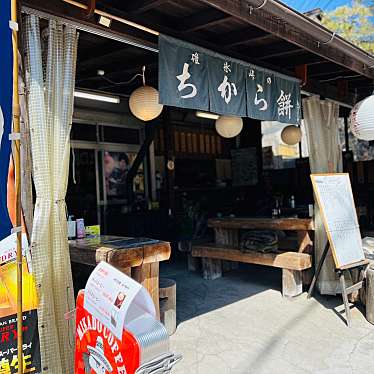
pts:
[114, 298]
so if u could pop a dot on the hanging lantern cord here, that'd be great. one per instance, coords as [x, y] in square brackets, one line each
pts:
[113, 83]
[143, 74]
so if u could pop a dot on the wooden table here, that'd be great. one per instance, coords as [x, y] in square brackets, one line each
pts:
[229, 228]
[140, 262]
[224, 253]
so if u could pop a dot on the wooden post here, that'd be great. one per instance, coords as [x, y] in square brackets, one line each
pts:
[229, 237]
[169, 155]
[305, 246]
[212, 268]
[17, 165]
[370, 294]
[148, 276]
[168, 304]
[345, 297]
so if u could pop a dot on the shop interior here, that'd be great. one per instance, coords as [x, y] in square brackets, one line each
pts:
[187, 170]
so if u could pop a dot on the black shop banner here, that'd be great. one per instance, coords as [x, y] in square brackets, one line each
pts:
[197, 78]
[8, 344]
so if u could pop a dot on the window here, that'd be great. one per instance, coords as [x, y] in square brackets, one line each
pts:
[275, 153]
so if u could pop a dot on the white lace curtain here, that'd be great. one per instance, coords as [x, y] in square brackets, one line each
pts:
[50, 79]
[325, 156]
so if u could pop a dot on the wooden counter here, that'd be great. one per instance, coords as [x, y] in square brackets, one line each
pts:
[141, 262]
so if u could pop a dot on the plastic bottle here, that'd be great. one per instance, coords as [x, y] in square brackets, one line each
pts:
[292, 202]
[71, 228]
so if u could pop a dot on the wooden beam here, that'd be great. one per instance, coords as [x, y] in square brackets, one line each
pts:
[280, 49]
[100, 54]
[202, 20]
[150, 131]
[114, 68]
[284, 260]
[281, 21]
[306, 58]
[141, 6]
[77, 15]
[243, 36]
[328, 71]
[120, 32]
[293, 224]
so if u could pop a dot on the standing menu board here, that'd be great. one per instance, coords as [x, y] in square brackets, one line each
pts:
[335, 200]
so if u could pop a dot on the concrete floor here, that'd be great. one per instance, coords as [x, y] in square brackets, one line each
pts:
[240, 324]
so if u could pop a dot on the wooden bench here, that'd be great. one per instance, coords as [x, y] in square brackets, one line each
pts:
[291, 263]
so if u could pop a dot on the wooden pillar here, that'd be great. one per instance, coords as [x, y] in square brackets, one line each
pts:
[168, 304]
[148, 276]
[212, 268]
[306, 246]
[169, 156]
[229, 238]
[370, 294]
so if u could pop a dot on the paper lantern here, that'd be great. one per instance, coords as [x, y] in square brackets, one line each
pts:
[144, 103]
[229, 126]
[291, 135]
[362, 119]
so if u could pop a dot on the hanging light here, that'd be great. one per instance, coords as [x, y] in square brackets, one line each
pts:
[144, 103]
[229, 126]
[361, 119]
[291, 135]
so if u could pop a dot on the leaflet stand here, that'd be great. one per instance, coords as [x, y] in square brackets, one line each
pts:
[345, 291]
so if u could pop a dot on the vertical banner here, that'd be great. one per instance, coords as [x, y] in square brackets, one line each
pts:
[227, 87]
[183, 71]
[260, 86]
[8, 241]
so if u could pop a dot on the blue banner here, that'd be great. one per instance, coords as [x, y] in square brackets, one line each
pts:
[6, 92]
[197, 78]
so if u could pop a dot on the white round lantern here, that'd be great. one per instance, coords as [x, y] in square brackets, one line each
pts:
[291, 135]
[362, 119]
[229, 126]
[144, 103]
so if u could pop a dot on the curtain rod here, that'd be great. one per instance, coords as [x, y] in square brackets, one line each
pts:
[90, 29]
[113, 17]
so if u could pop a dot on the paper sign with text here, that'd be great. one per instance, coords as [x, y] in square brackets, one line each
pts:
[112, 297]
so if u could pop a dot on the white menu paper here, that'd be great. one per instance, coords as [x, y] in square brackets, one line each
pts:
[335, 199]
[115, 299]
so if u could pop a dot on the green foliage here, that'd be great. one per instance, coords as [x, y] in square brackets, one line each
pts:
[353, 23]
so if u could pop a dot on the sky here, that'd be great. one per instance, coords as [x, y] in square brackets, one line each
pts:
[305, 5]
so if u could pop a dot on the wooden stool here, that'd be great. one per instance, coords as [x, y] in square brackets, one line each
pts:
[168, 304]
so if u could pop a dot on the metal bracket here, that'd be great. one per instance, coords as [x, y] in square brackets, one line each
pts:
[16, 230]
[331, 39]
[13, 25]
[15, 136]
[252, 8]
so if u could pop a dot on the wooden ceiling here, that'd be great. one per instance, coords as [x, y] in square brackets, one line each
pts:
[222, 25]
